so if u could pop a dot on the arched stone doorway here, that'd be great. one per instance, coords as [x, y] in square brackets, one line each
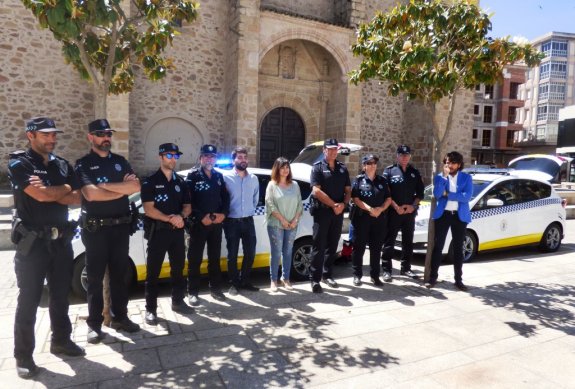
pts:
[282, 134]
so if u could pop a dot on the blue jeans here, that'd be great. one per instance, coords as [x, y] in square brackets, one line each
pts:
[281, 245]
[240, 229]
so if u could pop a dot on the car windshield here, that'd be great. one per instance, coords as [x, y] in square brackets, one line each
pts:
[309, 155]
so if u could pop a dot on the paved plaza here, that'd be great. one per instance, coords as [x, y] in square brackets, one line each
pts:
[514, 329]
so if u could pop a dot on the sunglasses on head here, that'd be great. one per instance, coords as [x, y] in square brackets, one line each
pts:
[103, 134]
[170, 156]
[371, 163]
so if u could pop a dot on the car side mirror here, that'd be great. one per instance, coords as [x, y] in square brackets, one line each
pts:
[492, 203]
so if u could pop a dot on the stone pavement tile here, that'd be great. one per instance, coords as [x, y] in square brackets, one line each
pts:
[278, 337]
[491, 373]
[157, 341]
[179, 378]
[350, 326]
[208, 352]
[226, 330]
[469, 304]
[425, 313]
[499, 347]
[473, 328]
[414, 342]
[332, 361]
[260, 371]
[9, 380]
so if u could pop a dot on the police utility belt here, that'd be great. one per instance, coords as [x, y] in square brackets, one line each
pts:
[25, 236]
[92, 224]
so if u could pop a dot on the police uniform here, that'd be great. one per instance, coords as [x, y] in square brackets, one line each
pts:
[105, 233]
[208, 196]
[169, 198]
[326, 224]
[405, 187]
[368, 229]
[44, 251]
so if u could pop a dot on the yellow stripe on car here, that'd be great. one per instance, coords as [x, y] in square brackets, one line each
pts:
[508, 242]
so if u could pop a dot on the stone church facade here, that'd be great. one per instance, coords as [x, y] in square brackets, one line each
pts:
[270, 75]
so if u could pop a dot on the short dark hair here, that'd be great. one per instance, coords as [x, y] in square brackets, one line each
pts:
[239, 150]
[454, 156]
[278, 164]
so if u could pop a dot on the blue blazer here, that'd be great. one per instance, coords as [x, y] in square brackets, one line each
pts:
[462, 195]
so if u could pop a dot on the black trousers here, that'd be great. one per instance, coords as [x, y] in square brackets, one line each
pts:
[51, 260]
[442, 225]
[108, 246]
[367, 230]
[395, 223]
[199, 236]
[236, 230]
[165, 241]
[326, 234]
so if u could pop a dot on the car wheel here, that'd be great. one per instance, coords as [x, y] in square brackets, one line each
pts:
[80, 277]
[551, 240]
[301, 259]
[469, 247]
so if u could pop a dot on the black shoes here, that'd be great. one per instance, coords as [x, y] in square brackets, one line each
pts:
[316, 287]
[150, 318]
[460, 286]
[95, 336]
[26, 368]
[430, 284]
[233, 290]
[125, 324]
[67, 347]
[182, 307]
[193, 300]
[410, 274]
[356, 281]
[249, 287]
[218, 295]
[376, 281]
[330, 282]
[387, 276]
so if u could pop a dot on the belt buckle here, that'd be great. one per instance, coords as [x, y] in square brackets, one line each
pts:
[54, 233]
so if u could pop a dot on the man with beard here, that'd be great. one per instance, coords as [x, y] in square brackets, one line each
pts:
[210, 205]
[43, 185]
[244, 189]
[107, 180]
[166, 203]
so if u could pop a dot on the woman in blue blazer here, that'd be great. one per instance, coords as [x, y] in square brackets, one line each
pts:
[453, 190]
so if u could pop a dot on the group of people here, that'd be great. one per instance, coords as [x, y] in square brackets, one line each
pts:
[208, 204]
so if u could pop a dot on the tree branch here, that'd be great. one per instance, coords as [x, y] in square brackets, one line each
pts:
[111, 57]
[86, 62]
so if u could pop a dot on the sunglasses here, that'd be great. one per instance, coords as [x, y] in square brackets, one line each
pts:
[370, 163]
[103, 134]
[170, 156]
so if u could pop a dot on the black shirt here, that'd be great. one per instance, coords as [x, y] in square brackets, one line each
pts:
[33, 213]
[373, 193]
[93, 169]
[404, 187]
[332, 182]
[169, 197]
[208, 194]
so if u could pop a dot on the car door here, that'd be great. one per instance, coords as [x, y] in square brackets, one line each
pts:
[536, 213]
[495, 226]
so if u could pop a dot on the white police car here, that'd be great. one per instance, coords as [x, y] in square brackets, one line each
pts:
[301, 252]
[507, 210]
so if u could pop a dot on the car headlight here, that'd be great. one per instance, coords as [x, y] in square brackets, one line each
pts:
[421, 224]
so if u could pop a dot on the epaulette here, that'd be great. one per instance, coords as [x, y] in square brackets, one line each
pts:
[359, 176]
[17, 154]
[317, 163]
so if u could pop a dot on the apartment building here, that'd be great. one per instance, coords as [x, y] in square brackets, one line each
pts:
[495, 118]
[547, 89]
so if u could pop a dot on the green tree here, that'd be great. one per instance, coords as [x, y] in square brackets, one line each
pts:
[105, 39]
[432, 50]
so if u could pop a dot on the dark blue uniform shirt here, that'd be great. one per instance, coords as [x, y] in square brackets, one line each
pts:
[208, 194]
[33, 213]
[373, 193]
[93, 169]
[169, 197]
[332, 182]
[404, 187]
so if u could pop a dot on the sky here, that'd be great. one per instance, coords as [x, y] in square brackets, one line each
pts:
[529, 18]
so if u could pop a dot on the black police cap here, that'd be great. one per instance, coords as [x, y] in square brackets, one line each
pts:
[208, 149]
[169, 148]
[41, 124]
[330, 143]
[403, 149]
[369, 157]
[99, 125]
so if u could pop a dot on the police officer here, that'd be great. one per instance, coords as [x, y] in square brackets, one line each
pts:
[43, 186]
[371, 199]
[331, 191]
[107, 180]
[166, 201]
[210, 205]
[406, 187]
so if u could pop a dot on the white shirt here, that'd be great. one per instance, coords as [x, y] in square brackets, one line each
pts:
[452, 205]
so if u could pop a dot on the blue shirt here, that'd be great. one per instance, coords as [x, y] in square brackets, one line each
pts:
[244, 193]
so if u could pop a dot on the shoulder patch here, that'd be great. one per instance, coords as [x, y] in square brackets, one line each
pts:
[17, 154]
